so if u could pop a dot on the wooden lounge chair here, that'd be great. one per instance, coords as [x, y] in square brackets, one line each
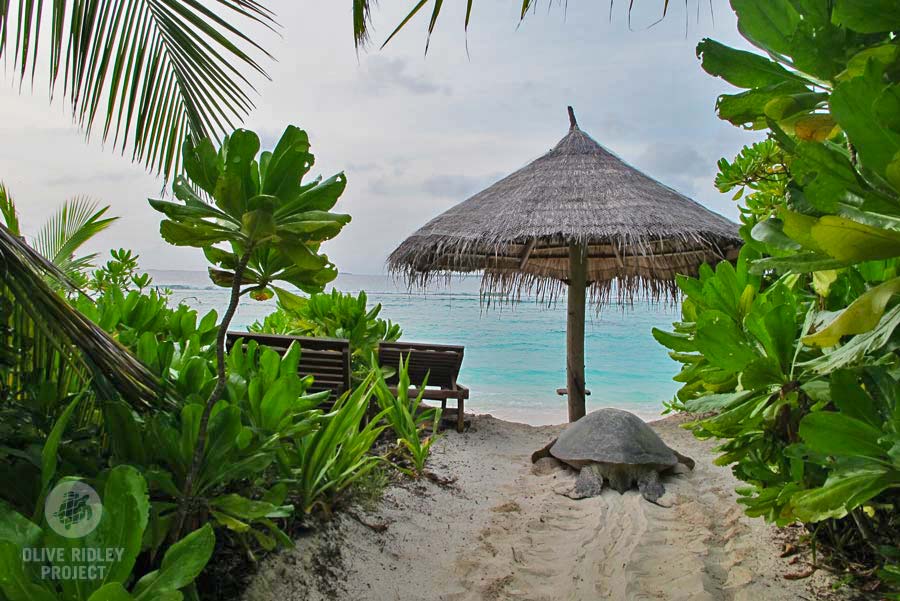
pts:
[440, 362]
[327, 360]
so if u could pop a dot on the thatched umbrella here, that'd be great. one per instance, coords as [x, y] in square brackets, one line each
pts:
[578, 216]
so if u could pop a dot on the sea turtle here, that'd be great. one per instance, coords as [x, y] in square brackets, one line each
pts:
[614, 446]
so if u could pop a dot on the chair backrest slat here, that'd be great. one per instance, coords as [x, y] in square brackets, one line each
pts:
[327, 360]
[440, 362]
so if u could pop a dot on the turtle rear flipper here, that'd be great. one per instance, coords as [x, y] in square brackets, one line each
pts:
[588, 484]
[650, 486]
[684, 459]
[542, 452]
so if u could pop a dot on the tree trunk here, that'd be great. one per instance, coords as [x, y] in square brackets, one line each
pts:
[575, 330]
[187, 500]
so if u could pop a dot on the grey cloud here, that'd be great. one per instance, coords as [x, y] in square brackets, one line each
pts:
[384, 74]
[453, 187]
[673, 159]
[457, 186]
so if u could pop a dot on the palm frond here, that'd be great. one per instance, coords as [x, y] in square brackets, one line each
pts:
[8, 210]
[77, 221]
[362, 23]
[147, 72]
[58, 325]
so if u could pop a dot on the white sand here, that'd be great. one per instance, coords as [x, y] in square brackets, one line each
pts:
[503, 531]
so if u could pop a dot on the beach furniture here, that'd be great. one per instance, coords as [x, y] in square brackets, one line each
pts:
[327, 360]
[440, 362]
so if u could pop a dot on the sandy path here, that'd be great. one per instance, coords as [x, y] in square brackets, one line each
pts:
[504, 531]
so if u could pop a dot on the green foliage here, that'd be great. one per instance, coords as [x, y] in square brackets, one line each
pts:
[272, 223]
[119, 273]
[196, 52]
[74, 224]
[795, 348]
[126, 511]
[761, 169]
[405, 419]
[325, 463]
[334, 315]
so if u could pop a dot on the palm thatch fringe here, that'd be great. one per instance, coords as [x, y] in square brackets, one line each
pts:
[77, 340]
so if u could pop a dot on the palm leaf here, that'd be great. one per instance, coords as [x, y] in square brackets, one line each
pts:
[77, 221]
[362, 22]
[8, 210]
[148, 73]
[78, 340]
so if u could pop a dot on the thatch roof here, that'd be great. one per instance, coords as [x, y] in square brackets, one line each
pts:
[638, 232]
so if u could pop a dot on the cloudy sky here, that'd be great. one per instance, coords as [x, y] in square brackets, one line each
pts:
[418, 133]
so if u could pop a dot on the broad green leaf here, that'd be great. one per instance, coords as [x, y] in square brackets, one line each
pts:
[722, 342]
[850, 241]
[853, 104]
[236, 185]
[852, 400]
[202, 164]
[867, 16]
[749, 109]
[772, 233]
[17, 529]
[842, 491]
[14, 581]
[768, 24]
[50, 450]
[113, 591]
[861, 316]
[286, 165]
[258, 226]
[855, 350]
[676, 342]
[800, 263]
[181, 564]
[184, 234]
[837, 434]
[741, 68]
[125, 514]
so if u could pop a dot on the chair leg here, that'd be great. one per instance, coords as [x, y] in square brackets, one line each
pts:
[460, 415]
[437, 426]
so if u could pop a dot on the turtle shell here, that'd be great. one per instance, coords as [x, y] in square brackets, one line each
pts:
[612, 436]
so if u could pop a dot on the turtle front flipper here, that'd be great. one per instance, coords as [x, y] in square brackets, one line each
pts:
[542, 452]
[588, 484]
[650, 486]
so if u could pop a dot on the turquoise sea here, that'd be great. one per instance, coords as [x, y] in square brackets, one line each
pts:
[515, 354]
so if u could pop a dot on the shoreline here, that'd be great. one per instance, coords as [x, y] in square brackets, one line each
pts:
[503, 530]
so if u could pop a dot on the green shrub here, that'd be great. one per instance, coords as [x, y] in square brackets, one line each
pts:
[126, 511]
[406, 420]
[334, 315]
[325, 463]
[796, 349]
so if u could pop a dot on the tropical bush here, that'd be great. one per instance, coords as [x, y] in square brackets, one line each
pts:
[334, 315]
[795, 348]
[326, 462]
[272, 223]
[125, 516]
[406, 420]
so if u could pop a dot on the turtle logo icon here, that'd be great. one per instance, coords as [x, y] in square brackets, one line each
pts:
[73, 509]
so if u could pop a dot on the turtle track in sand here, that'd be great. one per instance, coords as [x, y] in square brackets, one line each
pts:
[505, 532]
[622, 547]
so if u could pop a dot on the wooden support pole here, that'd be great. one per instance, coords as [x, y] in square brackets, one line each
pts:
[575, 330]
